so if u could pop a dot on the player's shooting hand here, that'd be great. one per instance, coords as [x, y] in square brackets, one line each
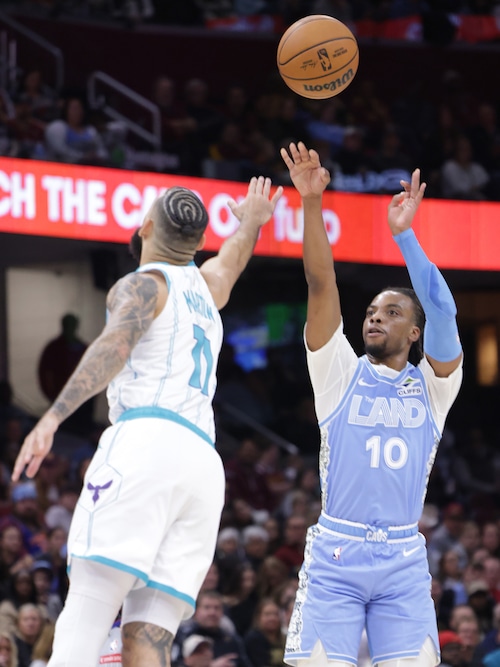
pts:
[258, 205]
[404, 205]
[36, 446]
[306, 172]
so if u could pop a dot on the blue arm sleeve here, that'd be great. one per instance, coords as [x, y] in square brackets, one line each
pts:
[441, 339]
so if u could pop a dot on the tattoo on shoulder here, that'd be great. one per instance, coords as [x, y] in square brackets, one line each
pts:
[135, 296]
[132, 304]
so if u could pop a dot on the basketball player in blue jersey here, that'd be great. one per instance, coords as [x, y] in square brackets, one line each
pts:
[381, 418]
[144, 531]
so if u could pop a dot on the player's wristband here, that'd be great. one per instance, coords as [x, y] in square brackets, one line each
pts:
[441, 340]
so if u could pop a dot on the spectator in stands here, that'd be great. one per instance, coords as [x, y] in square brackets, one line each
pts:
[272, 574]
[461, 176]
[72, 139]
[13, 554]
[58, 360]
[291, 552]
[272, 528]
[265, 641]
[326, 123]
[482, 602]
[227, 153]
[38, 97]
[7, 116]
[8, 649]
[255, 540]
[447, 535]
[240, 596]
[228, 553]
[353, 162]
[244, 481]
[42, 648]
[491, 641]
[470, 634]
[451, 649]
[201, 126]
[42, 580]
[491, 567]
[391, 162]
[9, 410]
[469, 541]
[29, 627]
[19, 590]
[451, 576]
[59, 514]
[173, 117]
[27, 515]
[474, 469]
[490, 538]
[48, 481]
[237, 108]
[212, 578]
[207, 623]
[459, 613]
[197, 651]
[55, 555]
[307, 483]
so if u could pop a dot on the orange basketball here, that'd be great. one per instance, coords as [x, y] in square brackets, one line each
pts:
[318, 56]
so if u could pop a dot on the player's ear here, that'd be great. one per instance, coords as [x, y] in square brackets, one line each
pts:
[201, 242]
[414, 333]
[146, 229]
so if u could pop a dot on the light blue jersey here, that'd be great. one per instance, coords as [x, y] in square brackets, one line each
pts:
[365, 564]
[377, 449]
[171, 372]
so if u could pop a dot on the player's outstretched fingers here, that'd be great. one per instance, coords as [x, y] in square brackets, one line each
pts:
[276, 196]
[286, 158]
[252, 185]
[267, 187]
[295, 153]
[304, 153]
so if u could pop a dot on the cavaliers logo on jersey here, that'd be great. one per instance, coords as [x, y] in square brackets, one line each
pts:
[410, 387]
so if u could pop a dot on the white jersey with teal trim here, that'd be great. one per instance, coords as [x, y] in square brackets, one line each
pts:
[173, 366]
[378, 448]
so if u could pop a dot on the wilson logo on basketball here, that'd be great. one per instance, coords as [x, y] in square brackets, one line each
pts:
[331, 85]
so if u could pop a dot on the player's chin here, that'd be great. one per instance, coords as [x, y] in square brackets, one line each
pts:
[376, 350]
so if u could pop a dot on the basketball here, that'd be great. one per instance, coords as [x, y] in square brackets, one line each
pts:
[318, 56]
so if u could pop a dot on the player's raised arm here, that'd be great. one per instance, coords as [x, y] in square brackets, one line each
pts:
[441, 340]
[132, 306]
[222, 271]
[323, 303]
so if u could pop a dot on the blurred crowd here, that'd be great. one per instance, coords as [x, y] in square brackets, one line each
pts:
[269, 439]
[368, 144]
[198, 12]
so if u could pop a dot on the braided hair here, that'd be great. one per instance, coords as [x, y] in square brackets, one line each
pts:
[181, 220]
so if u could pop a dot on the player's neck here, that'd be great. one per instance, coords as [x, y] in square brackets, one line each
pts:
[397, 361]
[171, 257]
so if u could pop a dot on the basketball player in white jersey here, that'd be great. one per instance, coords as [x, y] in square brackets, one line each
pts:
[145, 527]
[381, 417]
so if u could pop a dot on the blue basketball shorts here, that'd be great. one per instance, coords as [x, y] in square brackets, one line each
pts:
[348, 583]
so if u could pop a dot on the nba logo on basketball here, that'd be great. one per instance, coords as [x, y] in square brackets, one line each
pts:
[324, 59]
[336, 553]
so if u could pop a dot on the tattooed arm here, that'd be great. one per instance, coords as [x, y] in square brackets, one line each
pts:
[132, 303]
